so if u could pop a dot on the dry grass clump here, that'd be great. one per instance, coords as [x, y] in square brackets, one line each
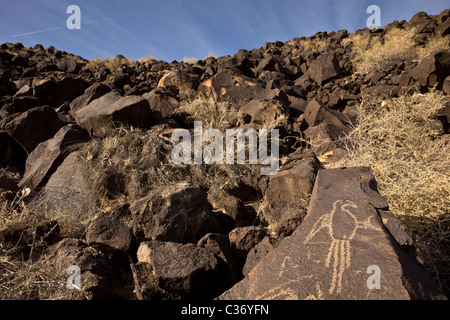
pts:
[432, 242]
[190, 60]
[410, 160]
[21, 275]
[11, 210]
[434, 43]
[113, 63]
[316, 44]
[32, 280]
[146, 59]
[126, 165]
[409, 156]
[372, 54]
[213, 113]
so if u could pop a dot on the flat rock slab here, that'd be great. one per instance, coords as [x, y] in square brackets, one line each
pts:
[342, 250]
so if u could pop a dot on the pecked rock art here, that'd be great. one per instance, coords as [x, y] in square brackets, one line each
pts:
[329, 254]
[339, 257]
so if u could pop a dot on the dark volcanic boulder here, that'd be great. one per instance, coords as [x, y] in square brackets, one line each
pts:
[316, 114]
[184, 270]
[24, 103]
[267, 114]
[68, 65]
[422, 22]
[8, 183]
[324, 68]
[93, 92]
[257, 253]
[243, 239]
[146, 285]
[161, 102]
[433, 69]
[48, 155]
[220, 246]
[113, 110]
[11, 150]
[99, 278]
[342, 250]
[108, 235]
[179, 79]
[55, 92]
[234, 88]
[288, 192]
[66, 196]
[34, 126]
[178, 213]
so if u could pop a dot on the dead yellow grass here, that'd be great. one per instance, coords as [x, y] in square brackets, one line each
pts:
[190, 60]
[213, 113]
[372, 54]
[409, 157]
[20, 277]
[146, 59]
[32, 280]
[434, 43]
[116, 62]
[314, 44]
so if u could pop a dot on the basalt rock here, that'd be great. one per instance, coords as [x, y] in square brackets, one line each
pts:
[187, 271]
[112, 110]
[342, 250]
[100, 279]
[324, 68]
[177, 213]
[34, 126]
[93, 92]
[433, 69]
[48, 155]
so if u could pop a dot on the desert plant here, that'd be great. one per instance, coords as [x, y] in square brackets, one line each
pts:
[371, 54]
[111, 63]
[316, 44]
[11, 210]
[22, 275]
[387, 137]
[126, 165]
[376, 54]
[212, 112]
[211, 55]
[190, 60]
[33, 280]
[434, 43]
[146, 59]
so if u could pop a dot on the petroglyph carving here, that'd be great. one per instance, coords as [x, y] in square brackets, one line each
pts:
[339, 255]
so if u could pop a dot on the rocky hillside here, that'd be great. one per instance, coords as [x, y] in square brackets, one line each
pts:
[88, 181]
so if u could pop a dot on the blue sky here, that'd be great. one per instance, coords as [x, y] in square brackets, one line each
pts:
[174, 29]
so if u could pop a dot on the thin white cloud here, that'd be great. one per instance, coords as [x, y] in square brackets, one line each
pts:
[34, 32]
